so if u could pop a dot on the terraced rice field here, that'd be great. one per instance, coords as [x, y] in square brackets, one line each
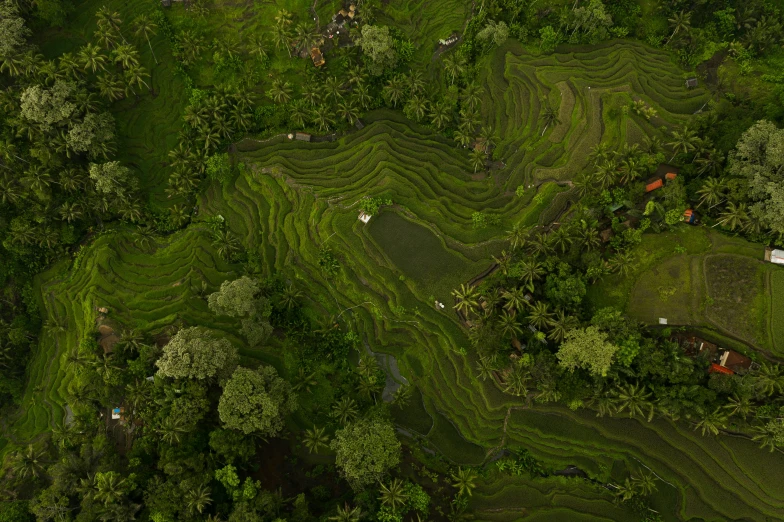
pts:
[590, 90]
[295, 198]
[146, 288]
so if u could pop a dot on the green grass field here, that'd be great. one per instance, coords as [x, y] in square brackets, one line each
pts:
[695, 276]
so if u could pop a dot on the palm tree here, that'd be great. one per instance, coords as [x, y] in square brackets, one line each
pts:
[549, 116]
[172, 429]
[540, 244]
[362, 95]
[110, 488]
[680, 21]
[531, 270]
[712, 191]
[344, 410]
[604, 404]
[769, 379]
[463, 138]
[540, 314]
[561, 238]
[645, 483]
[509, 325]
[515, 299]
[106, 35]
[305, 37]
[516, 381]
[630, 170]
[126, 56]
[600, 152]
[769, 434]
[304, 380]
[417, 107]
[739, 405]
[144, 26]
[485, 367]
[290, 297]
[197, 499]
[454, 66]
[110, 86]
[561, 324]
[634, 399]
[315, 438]
[439, 115]
[135, 75]
[415, 82]
[622, 262]
[393, 495]
[467, 299]
[606, 173]
[734, 216]
[322, 117]
[91, 57]
[281, 30]
[472, 96]
[70, 211]
[347, 513]
[348, 110]
[226, 244]
[712, 422]
[464, 481]
[259, 47]
[333, 88]
[311, 93]
[393, 90]
[710, 162]
[477, 159]
[403, 396]
[683, 141]
[280, 91]
[28, 463]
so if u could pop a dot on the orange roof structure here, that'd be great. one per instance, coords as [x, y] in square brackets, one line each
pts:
[670, 175]
[716, 368]
[650, 187]
[316, 56]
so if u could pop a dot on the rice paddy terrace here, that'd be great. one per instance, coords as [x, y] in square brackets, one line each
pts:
[295, 198]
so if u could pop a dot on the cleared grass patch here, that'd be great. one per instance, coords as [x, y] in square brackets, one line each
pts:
[420, 254]
[737, 297]
[777, 308]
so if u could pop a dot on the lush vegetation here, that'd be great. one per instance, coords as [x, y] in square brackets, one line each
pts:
[196, 326]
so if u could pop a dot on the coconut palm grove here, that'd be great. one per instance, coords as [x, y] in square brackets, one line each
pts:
[391, 260]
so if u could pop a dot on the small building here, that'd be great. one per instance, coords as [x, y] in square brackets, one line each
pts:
[670, 176]
[662, 320]
[118, 413]
[734, 361]
[316, 56]
[359, 125]
[606, 235]
[717, 368]
[774, 256]
[363, 217]
[303, 136]
[691, 83]
[650, 187]
[690, 217]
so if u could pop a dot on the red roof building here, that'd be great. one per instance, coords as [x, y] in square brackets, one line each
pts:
[670, 176]
[717, 368]
[650, 187]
